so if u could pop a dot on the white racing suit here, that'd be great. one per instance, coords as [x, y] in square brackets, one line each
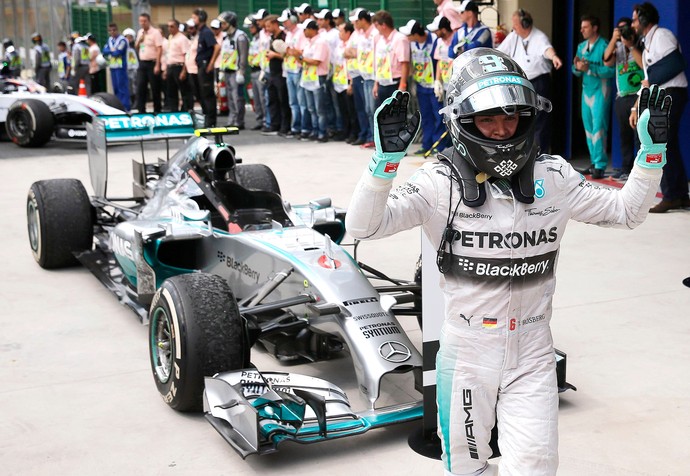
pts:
[496, 354]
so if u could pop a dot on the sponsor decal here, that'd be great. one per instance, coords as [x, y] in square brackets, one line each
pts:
[239, 266]
[366, 300]
[76, 133]
[394, 351]
[514, 240]
[542, 213]
[489, 322]
[539, 191]
[146, 121]
[121, 247]
[505, 168]
[503, 269]
[559, 170]
[653, 158]
[390, 167]
[379, 329]
[466, 319]
[404, 190]
[70, 133]
[469, 423]
[474, 216]
[253, 383]
[371, 315]
[586, 184]
[498, 80]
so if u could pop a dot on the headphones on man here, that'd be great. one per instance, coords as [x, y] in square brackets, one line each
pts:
[525, 19]
[292, 16]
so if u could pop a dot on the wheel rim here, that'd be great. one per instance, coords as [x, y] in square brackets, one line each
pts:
[20, 125]
[161, 344]
[34, 224]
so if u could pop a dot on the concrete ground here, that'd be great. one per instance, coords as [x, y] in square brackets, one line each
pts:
[77, 396]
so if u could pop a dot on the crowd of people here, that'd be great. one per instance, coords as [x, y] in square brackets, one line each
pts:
[319, 75]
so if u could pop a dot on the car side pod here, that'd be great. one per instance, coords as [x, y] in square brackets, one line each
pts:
[255, 411]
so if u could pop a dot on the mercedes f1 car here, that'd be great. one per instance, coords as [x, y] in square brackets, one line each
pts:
[210, 255]
[31, 117]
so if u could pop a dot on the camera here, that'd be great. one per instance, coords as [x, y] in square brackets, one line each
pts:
[627, 33]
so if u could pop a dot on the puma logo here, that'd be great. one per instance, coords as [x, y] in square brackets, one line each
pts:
[559, 171]
[466, 319]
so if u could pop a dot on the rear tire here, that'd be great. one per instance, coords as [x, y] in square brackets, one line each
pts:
[195, 331]
[29, 123]
[59, 219]
[257, 177]
[109, 100]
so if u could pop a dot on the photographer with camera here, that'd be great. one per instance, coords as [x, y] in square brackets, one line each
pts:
[624, 52]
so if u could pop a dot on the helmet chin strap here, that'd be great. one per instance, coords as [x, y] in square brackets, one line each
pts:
[471, 181]
[523, 181]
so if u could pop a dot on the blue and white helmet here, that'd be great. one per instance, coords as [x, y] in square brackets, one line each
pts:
[487, 82]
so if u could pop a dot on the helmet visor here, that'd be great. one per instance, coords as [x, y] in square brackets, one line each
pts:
[512, 96]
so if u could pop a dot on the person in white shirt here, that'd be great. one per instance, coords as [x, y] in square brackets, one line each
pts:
[663, 65]
[532, 50]
[366, 38]
[446, 8]
[327, 29]
[292, 70]
[444, 63]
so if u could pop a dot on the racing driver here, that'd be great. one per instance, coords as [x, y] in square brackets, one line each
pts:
[497, 210]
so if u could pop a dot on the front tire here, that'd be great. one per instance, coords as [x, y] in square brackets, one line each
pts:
[59, 222]
[29, 123]
[195, 330]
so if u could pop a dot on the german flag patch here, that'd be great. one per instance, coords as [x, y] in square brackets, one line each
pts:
[489, 322]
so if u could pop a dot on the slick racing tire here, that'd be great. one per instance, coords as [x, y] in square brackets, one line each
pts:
[29, 123]
[195, 331]
[60, 222]
[257, 177]
[109, 100]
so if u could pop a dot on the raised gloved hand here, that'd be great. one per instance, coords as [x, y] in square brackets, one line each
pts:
[393, 134]
[239, 77]
[654, 109]
[438, 90]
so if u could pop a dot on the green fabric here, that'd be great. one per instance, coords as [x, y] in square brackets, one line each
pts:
[629, 77]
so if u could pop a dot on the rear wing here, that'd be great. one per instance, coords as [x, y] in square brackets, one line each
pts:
[135, 129]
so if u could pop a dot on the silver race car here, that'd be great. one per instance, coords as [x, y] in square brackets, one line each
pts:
[30, 116]
[215, 260]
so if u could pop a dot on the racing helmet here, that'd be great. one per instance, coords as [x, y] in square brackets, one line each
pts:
[229, 17]
[36, 37]
[128, 32]
[487, 82]
[6, 42]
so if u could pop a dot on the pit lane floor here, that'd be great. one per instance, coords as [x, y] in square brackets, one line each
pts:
[77, 396]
